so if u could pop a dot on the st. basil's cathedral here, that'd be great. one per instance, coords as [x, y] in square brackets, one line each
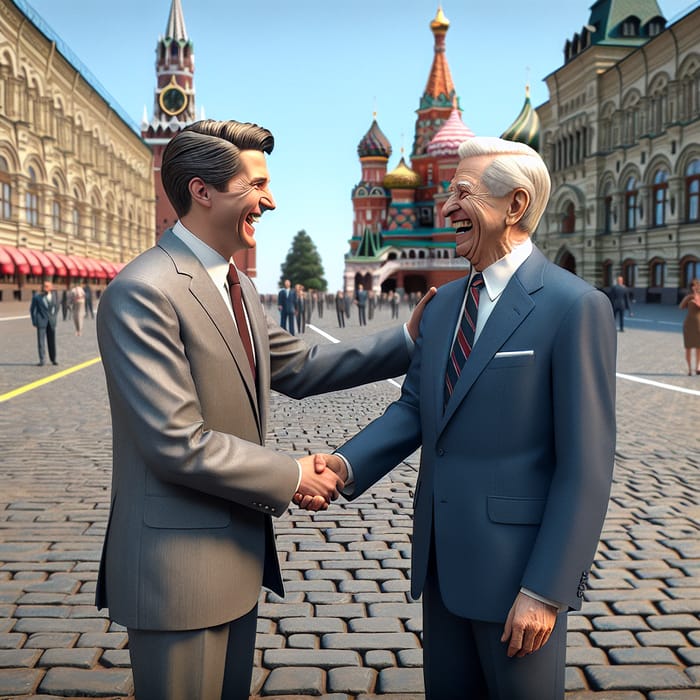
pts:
[400, 240]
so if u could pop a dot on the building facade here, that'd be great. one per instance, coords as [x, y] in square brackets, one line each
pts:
[76, 180]
[621, 137]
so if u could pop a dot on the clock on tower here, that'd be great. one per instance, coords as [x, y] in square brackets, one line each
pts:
[173, 100]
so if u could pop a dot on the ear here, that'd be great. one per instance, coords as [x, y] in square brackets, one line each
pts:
[519, 202]
[199, 192]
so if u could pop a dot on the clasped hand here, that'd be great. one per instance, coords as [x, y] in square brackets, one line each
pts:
[322, 477]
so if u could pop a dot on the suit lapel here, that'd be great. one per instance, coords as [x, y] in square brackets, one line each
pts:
[510, 311]
[205, 292]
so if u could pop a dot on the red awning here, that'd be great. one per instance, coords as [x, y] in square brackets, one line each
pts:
[49, 267]
[80, 265]
[109, 269]
[94, 269]
[69, 264]
[21, 264]
[7, 266]
[60, 268]
[37, 268]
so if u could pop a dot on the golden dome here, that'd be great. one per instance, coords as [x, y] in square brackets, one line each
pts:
[402, 178]
[440, 21]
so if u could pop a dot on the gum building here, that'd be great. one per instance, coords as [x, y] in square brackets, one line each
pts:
[76, 180]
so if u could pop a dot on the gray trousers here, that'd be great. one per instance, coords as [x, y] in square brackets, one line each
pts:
[215, 663]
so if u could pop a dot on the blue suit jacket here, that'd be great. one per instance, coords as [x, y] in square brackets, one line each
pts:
[44, 313]
[287, 302]
[515, 471]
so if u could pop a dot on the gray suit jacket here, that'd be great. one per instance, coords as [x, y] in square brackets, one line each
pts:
[189, 539]
[516, 470]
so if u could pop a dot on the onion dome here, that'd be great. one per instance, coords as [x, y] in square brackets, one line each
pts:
[440, 23]
[450, 135]
[374, 143]
[526, 128]
[402, 177]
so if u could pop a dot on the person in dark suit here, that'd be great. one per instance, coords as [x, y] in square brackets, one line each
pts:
[340, 308]
[620, 300]
[44, 314]
[300, 308]
[286, 305]
[361, 301]
[190, 359]
[511, 393]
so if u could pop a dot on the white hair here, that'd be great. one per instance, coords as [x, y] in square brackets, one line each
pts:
[515, 165]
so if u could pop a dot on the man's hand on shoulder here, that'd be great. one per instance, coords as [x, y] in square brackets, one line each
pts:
[413, 324]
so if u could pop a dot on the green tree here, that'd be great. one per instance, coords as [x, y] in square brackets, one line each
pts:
[303, 264]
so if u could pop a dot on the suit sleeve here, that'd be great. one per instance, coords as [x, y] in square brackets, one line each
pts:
[299, 370]
[583, 380]
[154, 397]
[389, 439]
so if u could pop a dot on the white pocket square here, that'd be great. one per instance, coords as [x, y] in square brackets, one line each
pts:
[515, 353]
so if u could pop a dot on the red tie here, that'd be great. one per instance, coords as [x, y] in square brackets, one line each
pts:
[234, 288]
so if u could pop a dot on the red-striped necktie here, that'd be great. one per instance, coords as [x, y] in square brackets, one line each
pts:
[234, 288]
[462, 346]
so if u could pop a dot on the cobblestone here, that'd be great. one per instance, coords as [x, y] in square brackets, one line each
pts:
[348, 629]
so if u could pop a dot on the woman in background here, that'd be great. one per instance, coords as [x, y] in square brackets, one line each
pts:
[691, 325]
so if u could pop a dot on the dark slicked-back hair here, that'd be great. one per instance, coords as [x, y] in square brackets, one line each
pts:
[210, 150]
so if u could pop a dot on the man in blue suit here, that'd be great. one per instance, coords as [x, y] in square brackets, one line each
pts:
[44, 314]
[517, 441]
[286, 304]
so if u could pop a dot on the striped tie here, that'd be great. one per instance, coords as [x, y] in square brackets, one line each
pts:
[462, 346]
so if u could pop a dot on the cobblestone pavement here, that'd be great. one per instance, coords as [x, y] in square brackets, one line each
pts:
[347, 628]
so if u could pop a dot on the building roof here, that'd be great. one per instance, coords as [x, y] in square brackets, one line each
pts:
[440, 90]
[402, 177]
[608, 15]
[451, 134]
[176, 23]
[374, 143]
[526, 127]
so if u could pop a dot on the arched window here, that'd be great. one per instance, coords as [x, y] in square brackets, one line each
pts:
[607, 209]
[659, 194]
[56, 207]
[631, 193]
[607, 273]
[692, 190]
[568, 222]
[31, 199]
[76, 215]
[5, 190]
[657, 273]
[629, 273]
[691, 271]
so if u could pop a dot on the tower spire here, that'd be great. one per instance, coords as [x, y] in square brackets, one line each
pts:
[176, 23]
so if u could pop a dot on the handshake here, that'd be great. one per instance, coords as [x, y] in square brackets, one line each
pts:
[322, 477]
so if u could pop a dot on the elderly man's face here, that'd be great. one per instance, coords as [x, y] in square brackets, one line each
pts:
[483, 235]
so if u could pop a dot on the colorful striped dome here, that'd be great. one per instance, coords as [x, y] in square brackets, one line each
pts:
[526, 128]
[374, 143]
[402, 177]
[450, 135]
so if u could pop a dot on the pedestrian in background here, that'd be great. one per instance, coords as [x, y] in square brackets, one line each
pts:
[77, 307]
[340, 308]
[286, 304]
[65, 306]
[395, 301]
[44, 315]
[300, 309]
[691, 325]
[361, 301]
[88, 301]
[620, 299]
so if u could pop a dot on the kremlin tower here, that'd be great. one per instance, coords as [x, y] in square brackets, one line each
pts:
[173, 110]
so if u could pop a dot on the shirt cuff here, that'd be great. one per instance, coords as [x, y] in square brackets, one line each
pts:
[349, 486]
[299, 478]
[410, 343]
[553, 604]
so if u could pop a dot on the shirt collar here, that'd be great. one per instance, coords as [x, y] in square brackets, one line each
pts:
[215, 264]
[498, 274]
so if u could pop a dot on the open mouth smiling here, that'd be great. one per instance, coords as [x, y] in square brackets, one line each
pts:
[463, 226]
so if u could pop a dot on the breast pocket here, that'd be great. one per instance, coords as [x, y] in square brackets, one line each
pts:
[515, 511]
[513, 358]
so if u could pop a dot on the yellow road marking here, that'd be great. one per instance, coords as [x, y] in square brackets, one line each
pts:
[47, 380]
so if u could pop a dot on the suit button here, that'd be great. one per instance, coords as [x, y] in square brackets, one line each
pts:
[440, 452]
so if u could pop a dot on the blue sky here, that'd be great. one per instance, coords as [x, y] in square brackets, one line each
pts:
[314, 71]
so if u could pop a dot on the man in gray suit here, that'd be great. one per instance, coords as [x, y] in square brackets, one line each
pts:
[44, 314]
[189, 540]
[517, 435]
